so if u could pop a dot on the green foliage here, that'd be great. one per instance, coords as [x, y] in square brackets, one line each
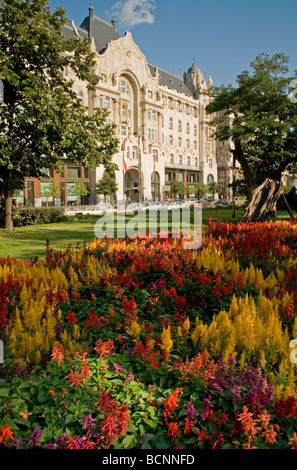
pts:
[260, 119]
[177, 187]
[38, 215]
[78, 188]
[43, 119]
[214, 188]
[106, 185]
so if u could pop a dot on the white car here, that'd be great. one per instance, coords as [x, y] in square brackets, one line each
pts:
[154, 206]
[99, 209]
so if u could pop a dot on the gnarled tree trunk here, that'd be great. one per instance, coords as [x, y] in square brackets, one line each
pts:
[262, 206]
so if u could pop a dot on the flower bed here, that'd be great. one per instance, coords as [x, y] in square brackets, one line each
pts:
[143, 344]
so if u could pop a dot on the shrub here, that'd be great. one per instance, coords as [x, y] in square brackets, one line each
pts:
[38, 215]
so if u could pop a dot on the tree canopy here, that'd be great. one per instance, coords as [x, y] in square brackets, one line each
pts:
[261, 119]
[42, 119]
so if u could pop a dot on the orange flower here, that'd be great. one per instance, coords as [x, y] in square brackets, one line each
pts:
[270, 435]
[293, 441]
[173, 431]
[104, 347]
[5, 433]
[264, 418]
[247, 422]
[188, 426]
[58, 353]
[74, 378]
[25, 415]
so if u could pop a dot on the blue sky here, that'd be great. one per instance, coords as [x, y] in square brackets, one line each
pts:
[224, 36]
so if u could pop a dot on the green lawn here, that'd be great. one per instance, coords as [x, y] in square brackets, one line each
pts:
[29, 242]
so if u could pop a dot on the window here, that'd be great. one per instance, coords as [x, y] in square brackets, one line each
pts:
[171, 140]
[171, 158]
[134, 153]
[179, 141]
[192, 178]
[210, 179]
[155, 155]
[222, 173]
[149, 94]
[188, 128]
[221, 158]
[196, 161]
[188, 143]
[73, 172]
[153, 115]
[167, 176]
[210, 163]
[123, 86]
[80, 97]
[30, 192]
[107, 102]
[151, 134]
[101, 102]
[148, 114]
[180, 160]
[195, 144]
[189, 161]
[103, 78]
[123, 130]
[195, 130]
[170, 123]
[179, 106]
[179, 126]
[170, 103]
[124, 110]
[181, 177]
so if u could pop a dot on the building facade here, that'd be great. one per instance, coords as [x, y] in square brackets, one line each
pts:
[164, 132]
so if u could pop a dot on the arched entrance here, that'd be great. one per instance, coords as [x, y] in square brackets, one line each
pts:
[132, 184]
[155, 186]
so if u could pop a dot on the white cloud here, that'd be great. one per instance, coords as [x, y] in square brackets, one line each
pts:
[132, 12]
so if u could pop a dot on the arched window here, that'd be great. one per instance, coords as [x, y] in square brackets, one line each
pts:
[155, 186]
[210, 179]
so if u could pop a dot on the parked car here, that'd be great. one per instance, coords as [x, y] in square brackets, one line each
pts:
[153, 206]
[221, 202]
[99, 209]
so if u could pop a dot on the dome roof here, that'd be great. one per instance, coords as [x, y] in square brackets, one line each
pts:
[193, 69]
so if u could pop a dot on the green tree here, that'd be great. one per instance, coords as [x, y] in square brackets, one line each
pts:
[261, 120]
[42, 118]
[49, 189]
[177, 187]
[77, 189]
[106, 186]
[214, 188]
[202, 190]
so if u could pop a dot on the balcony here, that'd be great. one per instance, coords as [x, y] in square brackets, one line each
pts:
[181, 166]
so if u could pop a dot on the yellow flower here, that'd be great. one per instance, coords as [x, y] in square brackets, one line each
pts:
[133, 330]
[166, 339]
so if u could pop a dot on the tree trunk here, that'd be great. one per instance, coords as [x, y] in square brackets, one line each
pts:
[262, 206]
[8, 224]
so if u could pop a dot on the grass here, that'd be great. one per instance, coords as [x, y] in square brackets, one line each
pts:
[29, 242]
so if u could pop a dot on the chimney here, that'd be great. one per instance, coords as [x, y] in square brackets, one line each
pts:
[114, 23]
[91, 12]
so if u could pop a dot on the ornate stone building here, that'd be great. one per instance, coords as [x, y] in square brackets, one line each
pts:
[164, 131]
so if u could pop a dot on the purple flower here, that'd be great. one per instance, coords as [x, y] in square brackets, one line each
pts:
[191, 412]
[118, 368]
[53, 446]
[144, 438]
[62, 440]
[34, 437]
[89, 424]
[130, 377]
[236, 392]
[16, 443]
